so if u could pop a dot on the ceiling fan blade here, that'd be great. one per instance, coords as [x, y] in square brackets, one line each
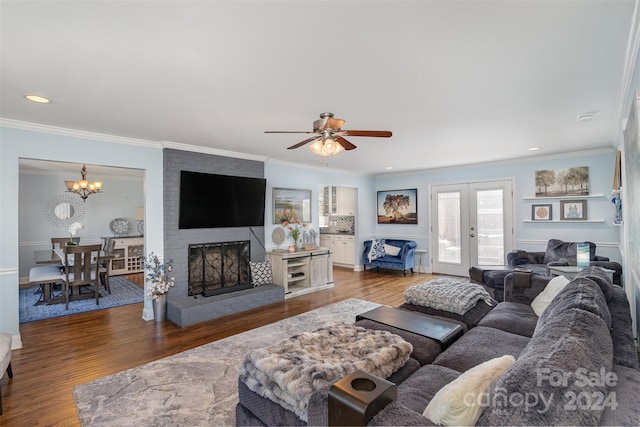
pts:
[300, 144]
[374, 133]
[345, 144]
[334, 124]
[288, 131]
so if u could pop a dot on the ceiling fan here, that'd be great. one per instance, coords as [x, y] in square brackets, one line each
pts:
[329, 136]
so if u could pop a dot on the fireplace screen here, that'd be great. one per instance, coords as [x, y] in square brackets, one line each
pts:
[216, 268]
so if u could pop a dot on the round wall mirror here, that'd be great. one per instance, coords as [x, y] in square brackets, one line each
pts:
[64, 210]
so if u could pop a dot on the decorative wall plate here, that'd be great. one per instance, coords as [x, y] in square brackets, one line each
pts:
[119, 226]
[277, 236]
[141, 227]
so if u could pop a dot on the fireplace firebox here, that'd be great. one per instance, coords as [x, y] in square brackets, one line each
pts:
[217, 268]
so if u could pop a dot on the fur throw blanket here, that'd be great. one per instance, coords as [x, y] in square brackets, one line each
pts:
[447, 294]
[288, 372]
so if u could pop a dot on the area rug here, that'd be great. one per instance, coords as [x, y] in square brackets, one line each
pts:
[123, 292]
[198, 387]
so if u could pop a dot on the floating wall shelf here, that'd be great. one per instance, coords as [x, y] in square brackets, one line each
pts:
[589, 196]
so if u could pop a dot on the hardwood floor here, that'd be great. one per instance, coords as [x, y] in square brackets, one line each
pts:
[60, 353]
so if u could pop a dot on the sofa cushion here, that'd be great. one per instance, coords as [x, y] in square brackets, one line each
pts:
[545, 297]
[391, 250]
[558, 250]
[462, 401]
[553, 368]
[512, 317]
[377, 250]
[479, 345]
[580, 293]
[625, 392]
[418, 390]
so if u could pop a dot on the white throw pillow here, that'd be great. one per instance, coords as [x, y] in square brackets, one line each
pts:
[462, 401]
[545, 297]
[391, 250]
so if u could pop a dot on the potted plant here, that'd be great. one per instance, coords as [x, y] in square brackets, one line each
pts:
[158, 284]
[295, 231]
[73, 230]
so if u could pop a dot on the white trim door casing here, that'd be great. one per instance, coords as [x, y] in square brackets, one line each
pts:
[472, 224]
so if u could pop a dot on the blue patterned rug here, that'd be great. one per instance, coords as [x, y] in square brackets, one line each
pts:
[123, 292]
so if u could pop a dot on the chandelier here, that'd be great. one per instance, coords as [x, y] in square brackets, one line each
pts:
[83, 187]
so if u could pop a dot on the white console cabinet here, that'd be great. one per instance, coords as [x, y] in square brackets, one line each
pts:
[129, 254]
[301, 272]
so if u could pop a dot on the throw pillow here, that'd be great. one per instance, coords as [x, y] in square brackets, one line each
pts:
[391, 250]
[260, 273]
[462, 401]
[545, 297]
[377, 250]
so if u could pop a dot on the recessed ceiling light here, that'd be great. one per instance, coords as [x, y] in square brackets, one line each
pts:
[388, 168]
[38, 99]
[533, 148]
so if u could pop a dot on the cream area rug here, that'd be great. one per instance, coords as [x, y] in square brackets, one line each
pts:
[198, 387]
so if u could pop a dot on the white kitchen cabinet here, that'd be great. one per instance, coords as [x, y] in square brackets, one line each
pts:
[346, 201]
[338, 201]
[343, 248]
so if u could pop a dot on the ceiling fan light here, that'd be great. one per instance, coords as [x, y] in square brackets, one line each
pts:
[316, 147]
[339, 148]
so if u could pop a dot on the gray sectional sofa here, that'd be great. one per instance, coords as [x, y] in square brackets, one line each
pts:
[578, 360]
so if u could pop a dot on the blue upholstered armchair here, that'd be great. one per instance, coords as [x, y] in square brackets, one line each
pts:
[386, 257]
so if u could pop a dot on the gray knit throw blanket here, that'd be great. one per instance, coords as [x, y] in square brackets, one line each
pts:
[447, 294]
[290, 371]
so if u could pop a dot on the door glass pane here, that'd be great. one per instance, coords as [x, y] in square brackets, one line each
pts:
[449, 238]
[490, 227]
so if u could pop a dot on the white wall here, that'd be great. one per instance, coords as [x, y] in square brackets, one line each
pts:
[69, 146]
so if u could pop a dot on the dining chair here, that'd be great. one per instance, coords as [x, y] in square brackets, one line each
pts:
[47, 277]
[105, 265]
[5, 359]
[60, 242]
[83, 272]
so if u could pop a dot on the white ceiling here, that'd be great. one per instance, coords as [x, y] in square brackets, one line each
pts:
[457, 82]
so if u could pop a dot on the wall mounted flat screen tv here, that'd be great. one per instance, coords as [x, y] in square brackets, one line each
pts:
[212, 201]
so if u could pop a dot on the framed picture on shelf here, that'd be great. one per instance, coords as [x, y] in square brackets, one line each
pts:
[541, 212]
[398, 206]
[573, 210]
[291, 204]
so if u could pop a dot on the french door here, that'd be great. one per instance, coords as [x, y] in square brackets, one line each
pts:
[471, 224]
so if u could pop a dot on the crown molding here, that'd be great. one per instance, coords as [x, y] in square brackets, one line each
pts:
[75, 133]
[214, 151]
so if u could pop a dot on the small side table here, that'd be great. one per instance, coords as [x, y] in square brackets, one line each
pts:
[571, 271]
[420, 253]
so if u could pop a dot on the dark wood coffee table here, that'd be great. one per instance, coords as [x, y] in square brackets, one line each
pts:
[437, 329]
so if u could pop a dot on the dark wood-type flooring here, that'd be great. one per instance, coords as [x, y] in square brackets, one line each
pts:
[60, 353]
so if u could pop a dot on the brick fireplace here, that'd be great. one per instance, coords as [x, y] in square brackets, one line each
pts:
[182, 308]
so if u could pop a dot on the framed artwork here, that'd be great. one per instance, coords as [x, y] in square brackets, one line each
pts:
[398, 206]
[290, 204]
[573, 210]
[541, 212]
[563, 182]
[617, 172]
